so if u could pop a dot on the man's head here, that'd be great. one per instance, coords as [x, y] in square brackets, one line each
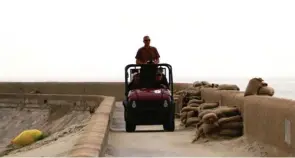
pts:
[159, 76]
[146, 41]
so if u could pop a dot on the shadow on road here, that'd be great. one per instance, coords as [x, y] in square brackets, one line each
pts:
[142, 131]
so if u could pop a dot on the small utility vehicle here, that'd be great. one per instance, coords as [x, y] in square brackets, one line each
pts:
[148, 96]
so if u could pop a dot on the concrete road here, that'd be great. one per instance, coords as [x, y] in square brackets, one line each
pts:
[152, 141]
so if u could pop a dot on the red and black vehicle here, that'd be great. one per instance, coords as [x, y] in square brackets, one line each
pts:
[148, 96]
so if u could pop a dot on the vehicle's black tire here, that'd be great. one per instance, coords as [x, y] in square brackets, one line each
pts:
[130, 127]
[170, 126]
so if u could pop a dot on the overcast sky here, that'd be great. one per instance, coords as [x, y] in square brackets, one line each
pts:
[69, 40]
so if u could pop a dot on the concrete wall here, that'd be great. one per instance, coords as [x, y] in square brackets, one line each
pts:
[267, 120]
[115, 89]
[98, 88]
[93, 141]
[17, 100]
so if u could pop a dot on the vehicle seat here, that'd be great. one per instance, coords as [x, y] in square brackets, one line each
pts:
[135, 82]
[148, 76]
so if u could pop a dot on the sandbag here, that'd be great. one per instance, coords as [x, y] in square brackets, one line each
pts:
[204, 112]
[205, 83]
[198, 97]
[186, 109]
[208, 86]
[228, 87]
[191, 88]
[190, 114]
[196, 101]
[204, 130]
[183, 117]
[266, 90]
[224, 120]
[192, 121]
[209, 118]
[209, 105]
[183, 121]
[227, 111]
[254, 85]
[232, 125]
[199, 124]
[193, 92]
[197, 84]
[209, 128]
[185, 101]
[181, 92]
[214, 85]
[27, 137]
[193, 105]
[231, 132]
[179, 104]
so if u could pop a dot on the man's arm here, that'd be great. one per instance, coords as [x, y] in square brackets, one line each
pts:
[138, 57]
[157, 60]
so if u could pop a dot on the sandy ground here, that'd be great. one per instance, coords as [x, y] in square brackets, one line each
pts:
[63, 126]
[155, 142]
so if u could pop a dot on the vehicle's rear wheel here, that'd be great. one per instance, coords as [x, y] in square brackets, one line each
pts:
[130, 127]
[170, 126]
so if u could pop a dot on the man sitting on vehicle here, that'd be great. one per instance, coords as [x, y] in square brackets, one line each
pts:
[134, 84]
[161, 81]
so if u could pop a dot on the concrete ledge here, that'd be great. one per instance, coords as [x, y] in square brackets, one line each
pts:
[47, 101]
[94, 138]
[115, 89]
[233, 99]
[211, 94]
[267, 120]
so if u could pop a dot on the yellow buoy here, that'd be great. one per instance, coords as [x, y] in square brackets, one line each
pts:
[27, 137]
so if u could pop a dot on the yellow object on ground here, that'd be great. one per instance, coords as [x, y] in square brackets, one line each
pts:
[27, 137]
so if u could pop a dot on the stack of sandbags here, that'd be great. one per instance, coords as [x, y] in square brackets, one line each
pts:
[228, 87]
[193, 92]
[230, 121]
[187, 94]
[189, 114]
[257, 86]
[190, 91]
[200, 83]
[219, 121]
[204, 84]
[184, 96]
